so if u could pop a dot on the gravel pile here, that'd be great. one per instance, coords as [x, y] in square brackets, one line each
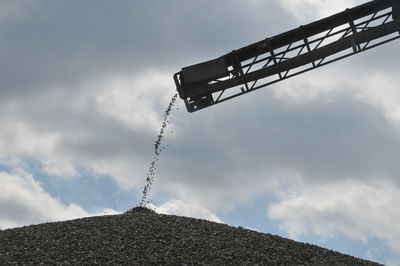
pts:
[143, 237]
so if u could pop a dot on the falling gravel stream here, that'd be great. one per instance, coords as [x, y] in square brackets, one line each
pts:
[157, 151]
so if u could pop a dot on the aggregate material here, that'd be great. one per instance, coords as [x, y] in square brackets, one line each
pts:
[157, 151]
[143, 237]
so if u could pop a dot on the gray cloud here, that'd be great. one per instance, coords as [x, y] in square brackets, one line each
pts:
[322, 141]
[65, 44]
[52, 53]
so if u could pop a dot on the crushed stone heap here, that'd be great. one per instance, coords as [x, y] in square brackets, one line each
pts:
[140, 237]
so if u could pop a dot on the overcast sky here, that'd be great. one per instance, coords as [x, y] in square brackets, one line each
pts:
[84, 85]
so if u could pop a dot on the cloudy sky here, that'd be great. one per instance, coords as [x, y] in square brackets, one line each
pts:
[84, 85]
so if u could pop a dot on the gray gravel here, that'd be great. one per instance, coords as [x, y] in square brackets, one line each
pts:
[143, 237]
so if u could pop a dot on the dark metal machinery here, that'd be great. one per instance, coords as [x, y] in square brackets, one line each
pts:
[288, 54]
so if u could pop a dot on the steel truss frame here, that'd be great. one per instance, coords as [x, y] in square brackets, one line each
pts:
[292, 53]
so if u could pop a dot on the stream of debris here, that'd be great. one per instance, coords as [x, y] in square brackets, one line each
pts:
[158, 148]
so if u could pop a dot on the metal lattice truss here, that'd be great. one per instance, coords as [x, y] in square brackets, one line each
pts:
[289, 54]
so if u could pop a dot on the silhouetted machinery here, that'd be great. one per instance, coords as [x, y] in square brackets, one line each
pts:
[288, 54]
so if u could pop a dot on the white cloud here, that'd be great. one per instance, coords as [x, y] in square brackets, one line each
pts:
[23, 202]
[309, 10]
[108, 125]
[369, 82]
[185, 208]
[380, 89]
[357, 209]
[132, 100]
[17, 137]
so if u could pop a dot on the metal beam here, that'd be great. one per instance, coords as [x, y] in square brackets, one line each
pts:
[288, 54]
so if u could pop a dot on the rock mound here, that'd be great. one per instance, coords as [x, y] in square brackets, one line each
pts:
[140, 209]
[142, 237]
